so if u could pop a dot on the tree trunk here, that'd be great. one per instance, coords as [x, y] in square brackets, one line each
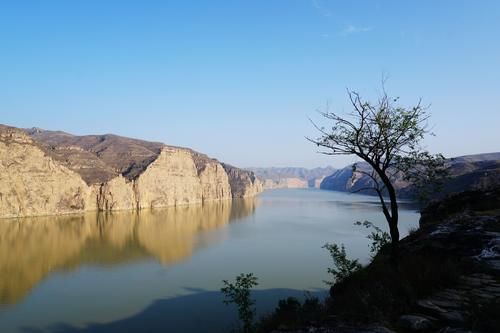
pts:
[393, 229]
[393, 221]
[392, 217]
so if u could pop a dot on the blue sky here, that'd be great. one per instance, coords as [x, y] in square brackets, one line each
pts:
[238, 79]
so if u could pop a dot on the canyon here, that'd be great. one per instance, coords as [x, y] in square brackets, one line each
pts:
[53, 173]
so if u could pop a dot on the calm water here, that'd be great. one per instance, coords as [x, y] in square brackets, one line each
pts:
[161, 270]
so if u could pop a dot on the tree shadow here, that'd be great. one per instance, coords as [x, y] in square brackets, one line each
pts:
[202, 311]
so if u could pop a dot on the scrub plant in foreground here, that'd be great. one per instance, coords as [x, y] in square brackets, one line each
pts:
[238, 292]
[343, 267]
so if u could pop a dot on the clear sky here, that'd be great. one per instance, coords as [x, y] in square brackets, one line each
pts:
[238, 79]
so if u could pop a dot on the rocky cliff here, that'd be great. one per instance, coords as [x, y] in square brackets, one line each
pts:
[243, 182]
[472, 172]
[46, 173]
[32, 183]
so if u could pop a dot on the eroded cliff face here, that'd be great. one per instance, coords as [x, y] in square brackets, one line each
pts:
[61, 174]
[215, 183]
[32, 183]
[170, 180]
[116, 194]
[243, 182]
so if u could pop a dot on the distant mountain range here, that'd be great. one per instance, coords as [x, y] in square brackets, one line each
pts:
[481, 171]
[291, 177]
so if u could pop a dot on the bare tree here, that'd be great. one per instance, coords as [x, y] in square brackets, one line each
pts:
[387, 136]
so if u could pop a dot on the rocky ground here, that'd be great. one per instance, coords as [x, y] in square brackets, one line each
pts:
[474, 236]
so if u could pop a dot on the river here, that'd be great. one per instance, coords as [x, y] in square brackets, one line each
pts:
[161, 270]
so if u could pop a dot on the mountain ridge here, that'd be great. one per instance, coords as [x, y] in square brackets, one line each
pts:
[466, 172]
[54, 172]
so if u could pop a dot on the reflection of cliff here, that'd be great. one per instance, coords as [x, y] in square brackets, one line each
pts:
[32, 248]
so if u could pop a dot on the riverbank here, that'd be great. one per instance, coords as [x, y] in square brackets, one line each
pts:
[448, 278]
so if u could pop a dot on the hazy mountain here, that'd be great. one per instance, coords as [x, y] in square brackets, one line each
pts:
[292, 177]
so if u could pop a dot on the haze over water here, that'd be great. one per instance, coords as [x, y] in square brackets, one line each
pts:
[163, 268]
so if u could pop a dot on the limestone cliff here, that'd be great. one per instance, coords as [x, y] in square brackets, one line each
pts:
[170, 180]
[32, 183]
[115, 194]
[51, 173]
[215, 181]
[243, 182]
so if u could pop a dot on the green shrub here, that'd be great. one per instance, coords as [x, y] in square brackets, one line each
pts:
[342, 266]
[378, 237]
[239, 294]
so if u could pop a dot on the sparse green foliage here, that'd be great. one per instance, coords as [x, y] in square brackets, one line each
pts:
[342, 266]
[425, 171]
[387, 136]
[378, 237]
[239, 294]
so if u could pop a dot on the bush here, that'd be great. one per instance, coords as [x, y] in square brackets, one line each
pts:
[378, 237]
[342, 266]
[239, 294]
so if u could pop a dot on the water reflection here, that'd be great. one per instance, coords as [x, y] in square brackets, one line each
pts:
[32, 248]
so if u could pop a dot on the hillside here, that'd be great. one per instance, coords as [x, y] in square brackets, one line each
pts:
[53, 172]
[447, 279]
[481, 171]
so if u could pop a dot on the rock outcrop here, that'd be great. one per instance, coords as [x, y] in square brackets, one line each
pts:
[32, 183]
[52, 173]
[464, 227]
[459, 204]
[243, 182]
